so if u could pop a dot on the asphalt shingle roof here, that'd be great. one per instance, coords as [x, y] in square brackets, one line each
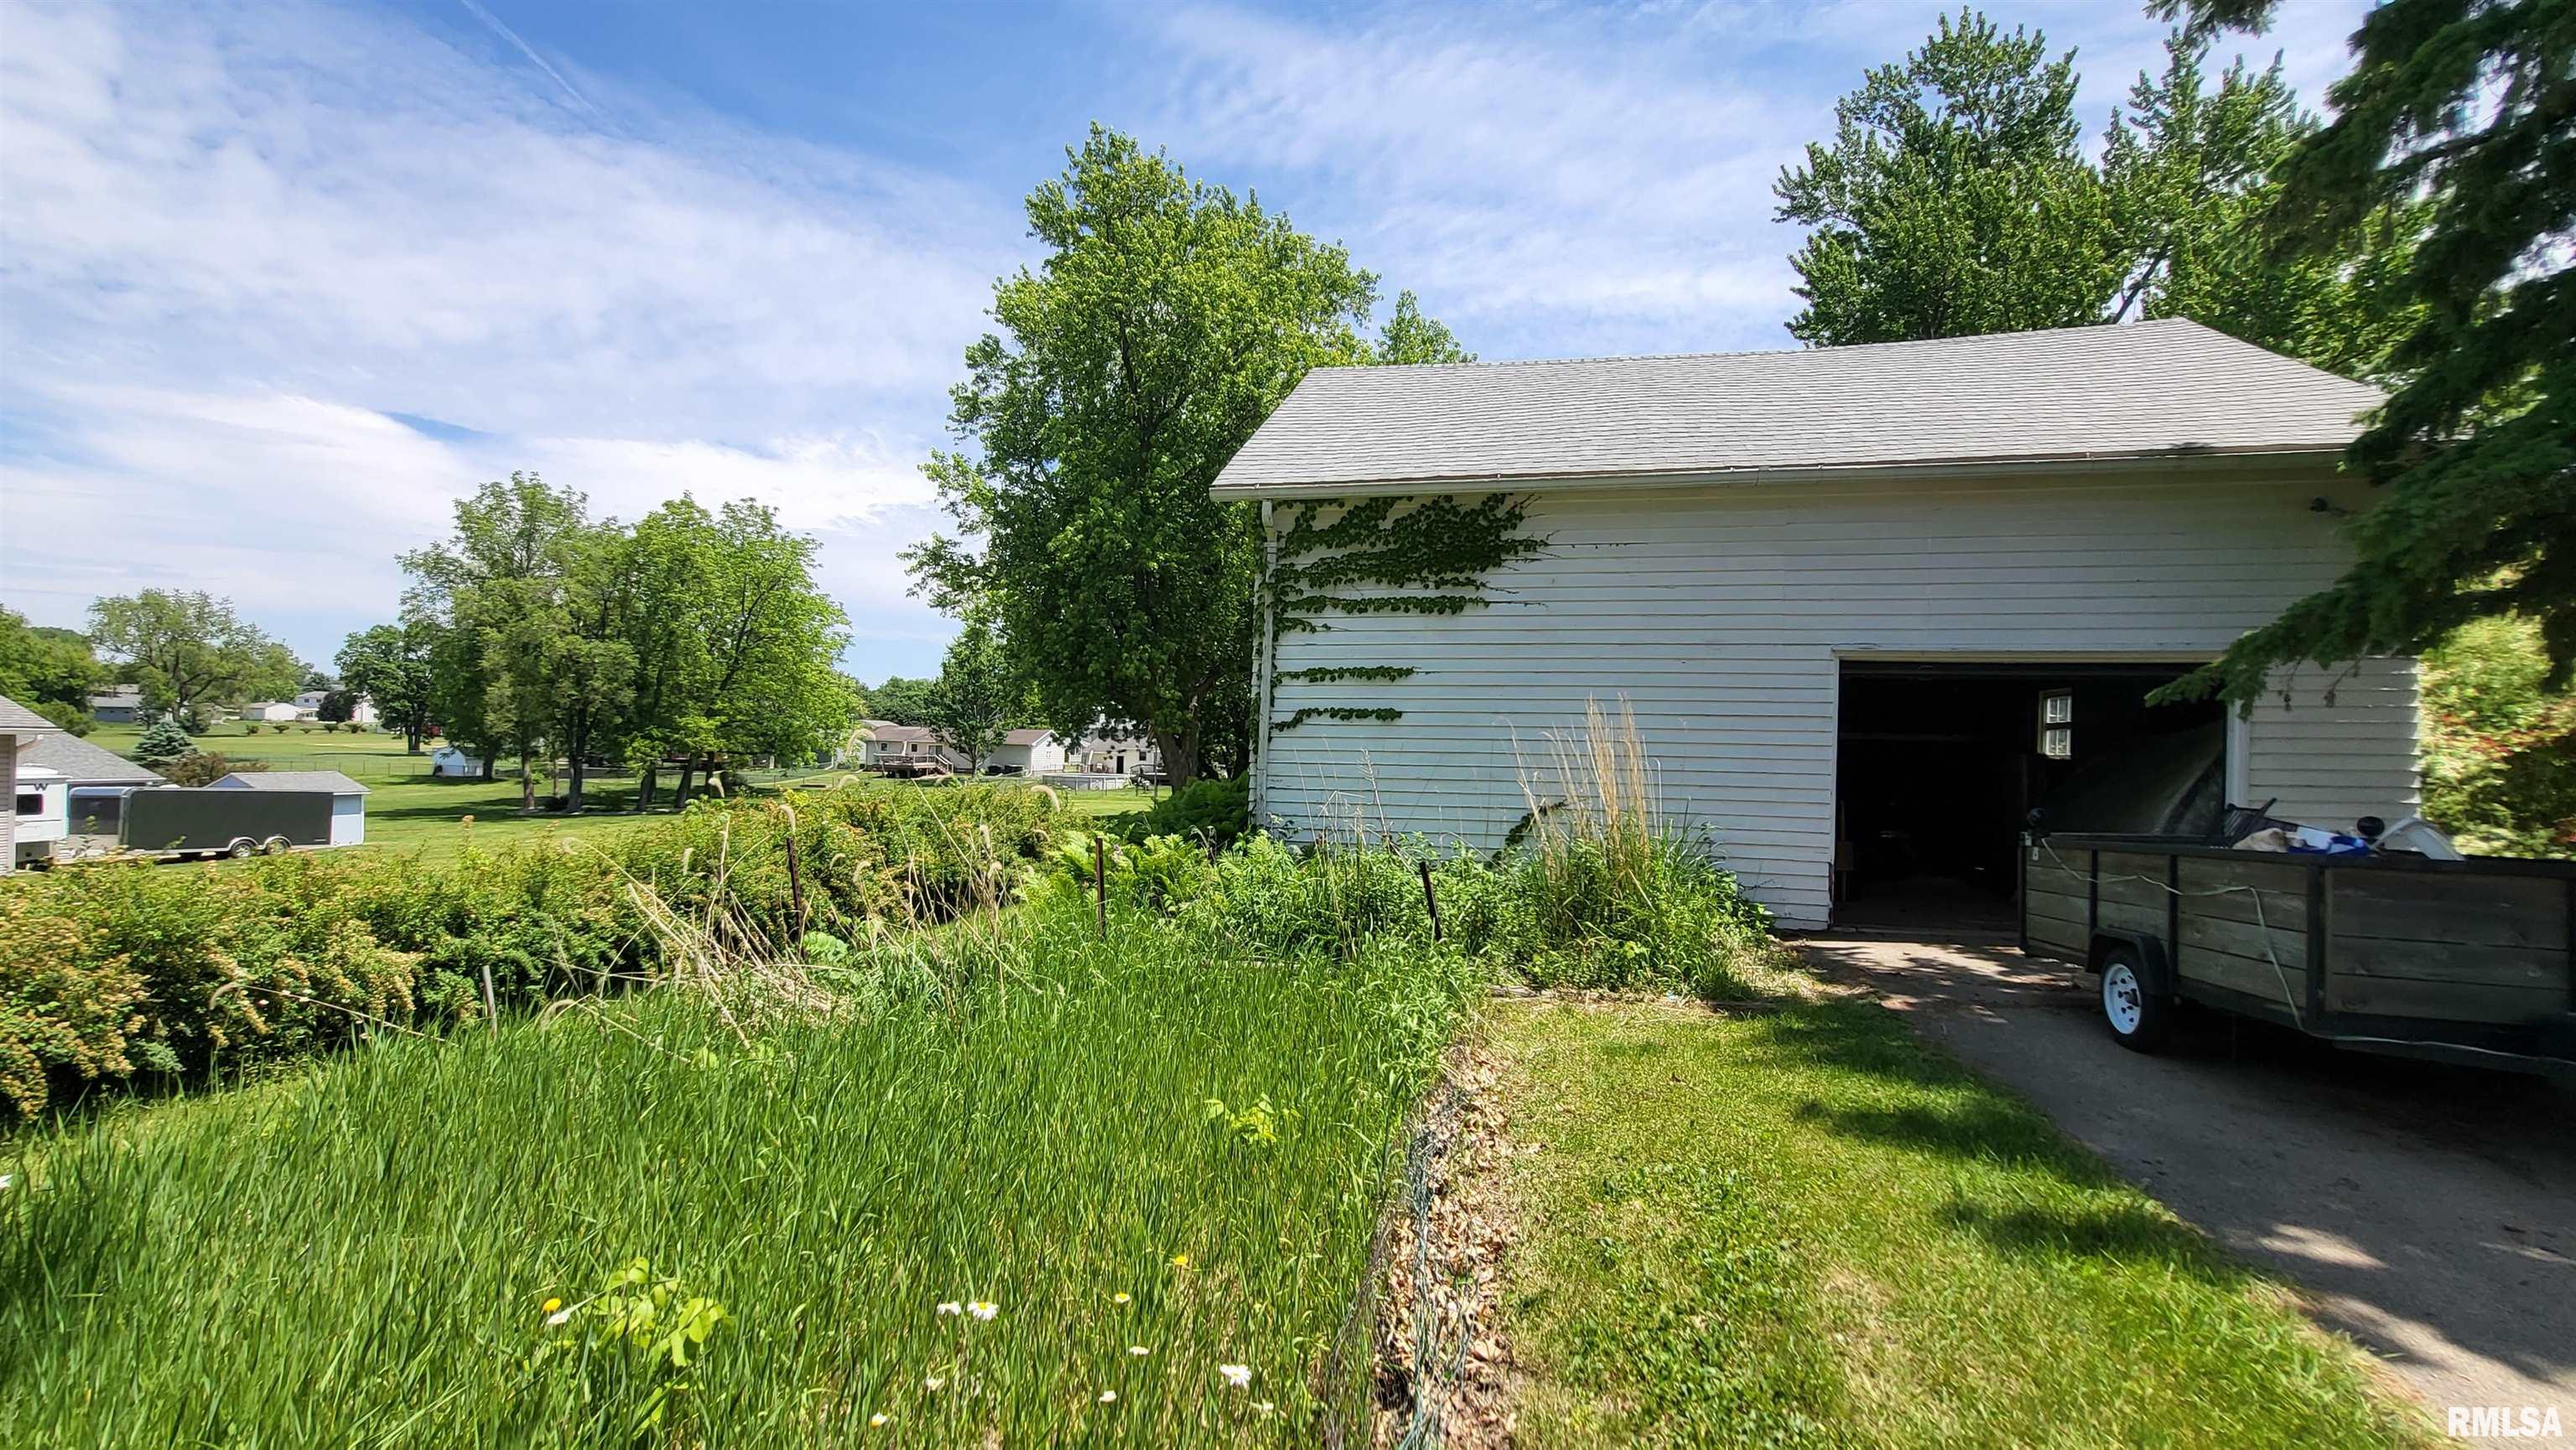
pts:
[330, 780]
[82, 763]
[2170, 388]
[18, 719]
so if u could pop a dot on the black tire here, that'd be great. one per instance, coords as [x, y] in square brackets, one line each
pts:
[2137, 1018]
[243, 849]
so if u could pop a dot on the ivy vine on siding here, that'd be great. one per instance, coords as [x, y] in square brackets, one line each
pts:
[1437, 552]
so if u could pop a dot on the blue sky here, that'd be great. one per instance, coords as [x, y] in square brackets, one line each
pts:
[278, 282]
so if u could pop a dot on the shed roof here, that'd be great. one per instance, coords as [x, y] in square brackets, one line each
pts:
[82, 763]
[1026, 737]
[330, 780]
[18, 720]
[2147, 390]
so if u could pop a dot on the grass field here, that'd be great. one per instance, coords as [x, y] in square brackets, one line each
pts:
[410, 810]
[420, 1243]
[1801, 1227]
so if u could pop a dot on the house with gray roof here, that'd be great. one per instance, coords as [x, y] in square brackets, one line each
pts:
[1869, 607]
[348, 798]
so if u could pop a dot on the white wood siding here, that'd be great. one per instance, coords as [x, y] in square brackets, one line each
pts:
[1721, 612]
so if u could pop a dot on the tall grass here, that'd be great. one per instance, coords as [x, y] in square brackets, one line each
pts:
[1011, 1112]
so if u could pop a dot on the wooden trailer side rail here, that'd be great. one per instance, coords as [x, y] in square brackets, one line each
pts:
[2470, 959]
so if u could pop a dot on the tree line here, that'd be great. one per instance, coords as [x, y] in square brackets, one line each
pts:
[535, 631]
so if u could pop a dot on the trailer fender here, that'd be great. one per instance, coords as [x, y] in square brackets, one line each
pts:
[2155, 967]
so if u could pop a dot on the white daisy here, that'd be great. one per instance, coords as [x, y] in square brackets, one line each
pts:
[1108, 1397]
[1138, 1350]
[1237, 1375]
[983, 1309]
[951, 1306]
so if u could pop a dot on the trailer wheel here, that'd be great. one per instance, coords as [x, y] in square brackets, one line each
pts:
[274, 846]
[242, 849]
[2139, 1019]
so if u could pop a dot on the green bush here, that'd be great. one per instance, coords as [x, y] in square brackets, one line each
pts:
[1210, 812]
[205, 767]
[1669, 917]
[112, 970]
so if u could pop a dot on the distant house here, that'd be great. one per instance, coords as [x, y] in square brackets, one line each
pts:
[20, 728]
[348, 798]
[120, 706]
[95, 781]
[267, 711]
[1117, 755]
[454, 763]
[308, 706]
[1027, 752]
[910, 747]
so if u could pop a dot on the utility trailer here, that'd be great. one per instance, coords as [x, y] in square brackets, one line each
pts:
[236, 823]
[2461, 961]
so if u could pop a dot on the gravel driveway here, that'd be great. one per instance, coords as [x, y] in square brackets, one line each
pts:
[2428, 1211]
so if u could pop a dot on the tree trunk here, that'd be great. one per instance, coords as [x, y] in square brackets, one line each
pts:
[527, 783]
[645, 780]
[1180, 756]
[688, 773]
[572, 792]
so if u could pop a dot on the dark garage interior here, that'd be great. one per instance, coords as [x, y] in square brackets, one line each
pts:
[1939, 765]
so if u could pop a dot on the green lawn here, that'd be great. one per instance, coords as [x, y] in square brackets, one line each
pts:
[417, 1243]
[410, 810]
[1801, 1227]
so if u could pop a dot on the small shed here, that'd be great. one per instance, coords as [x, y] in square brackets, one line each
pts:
[278, 711]
[348, 798]
[455, 764]
[1028, 752]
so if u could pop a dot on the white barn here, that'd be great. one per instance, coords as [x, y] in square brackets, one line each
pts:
[1849, 593]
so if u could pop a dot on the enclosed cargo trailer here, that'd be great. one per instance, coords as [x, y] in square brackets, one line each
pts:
[224, 822]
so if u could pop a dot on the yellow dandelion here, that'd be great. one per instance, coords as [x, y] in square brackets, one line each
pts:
[551, 1305]
[1180, 1261]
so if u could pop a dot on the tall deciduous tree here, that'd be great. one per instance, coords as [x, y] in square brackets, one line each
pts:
[187, 650]
[1167, 319]
[901, 701]
[50, 671]
[2191, 171]
[1954, 198]
[1411, 337]
[530, 659]
[2467, 109]
[768, 685]
[972, 700]
[390, 666]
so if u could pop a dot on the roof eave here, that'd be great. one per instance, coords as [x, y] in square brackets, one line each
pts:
[2302, 458]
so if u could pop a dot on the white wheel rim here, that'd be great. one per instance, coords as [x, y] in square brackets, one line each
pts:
[2122, 1001]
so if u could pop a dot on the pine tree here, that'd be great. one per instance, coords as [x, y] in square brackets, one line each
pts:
[2465, 109]
[165, 741]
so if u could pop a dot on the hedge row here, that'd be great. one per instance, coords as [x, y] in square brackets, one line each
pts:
[114, 972]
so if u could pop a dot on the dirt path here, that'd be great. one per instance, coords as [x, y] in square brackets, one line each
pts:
[2429, 1212]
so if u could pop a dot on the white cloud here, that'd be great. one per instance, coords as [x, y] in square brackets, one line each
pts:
[1581, 179]
[235, 238]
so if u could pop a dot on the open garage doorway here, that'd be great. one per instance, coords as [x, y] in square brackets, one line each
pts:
[1938, 766]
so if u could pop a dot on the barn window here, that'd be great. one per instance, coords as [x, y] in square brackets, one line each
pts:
[31, 805]
[2057, 724]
